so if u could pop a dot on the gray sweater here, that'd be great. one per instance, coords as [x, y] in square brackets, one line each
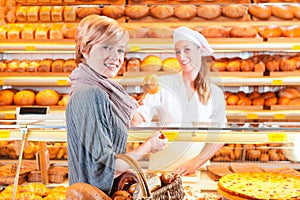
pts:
[94, 135]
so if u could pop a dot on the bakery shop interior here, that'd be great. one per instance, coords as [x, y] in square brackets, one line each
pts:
[251, 52]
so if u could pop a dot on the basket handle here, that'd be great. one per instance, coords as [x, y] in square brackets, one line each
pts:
[140, 175]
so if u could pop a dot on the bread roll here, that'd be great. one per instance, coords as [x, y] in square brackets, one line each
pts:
[22, 66]
[260, 67]
[282, 12]
[86, 11]
[33, 66]
[258, 101]
[260, 11]
[214, 32]
[69, 13]
[234, 65]
[283, 100]
[219, 66]
[271, 101]
[185, 11]
[136, 11]
[295, 102]
[12, 65]
[114, 11]
[24, 98]
[273, 64]
[253, 94]
[243, 31]
[47, 97]
[151, 63]
[161, 11]
[137, 31]
[288, 64]
[69, 31]
[3, 65]
[209, 11]
[244, 101]
[233, 10]
[247, 65]
[268, 94]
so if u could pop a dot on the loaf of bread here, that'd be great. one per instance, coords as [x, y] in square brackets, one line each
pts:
[289, 92]
[57, 13]
[3, 65]
[270, 31]
[86, 11]
[45, 13]
[56, 32]
[6, 97]
[69, 13]
[33, 13]
[24, 98]
[14, 33]
[85, 191]
[21, 13]
[161, 11]
[260, 11]
[47, 97]
[114, 11]
[160, 32]
[133, 64]
[57, 65]
[209, 11]
[282, 12]
[69, 65]
[291, 31]
[243, 31]
[234, 11]
[27, 33]
[45, 65]
[22, 66]
[151, 63]
[136, 11]
[136, 31]
[296, 10]
[42, 32]
[171, 65]
[33, 66]
[214, 32]
[10, 16]
[12, 65]
[185, 11]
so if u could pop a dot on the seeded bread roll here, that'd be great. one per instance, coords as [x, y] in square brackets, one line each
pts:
[234, 10]
[161, 11]
[209, 11]
[185, 11]
[136, 11]
[114, 11]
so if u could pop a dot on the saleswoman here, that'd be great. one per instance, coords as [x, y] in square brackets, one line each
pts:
[99, 110]
[185, 99]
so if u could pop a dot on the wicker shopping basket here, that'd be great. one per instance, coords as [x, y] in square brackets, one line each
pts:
[172, 191]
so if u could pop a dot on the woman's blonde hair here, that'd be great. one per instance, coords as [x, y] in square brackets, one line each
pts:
[95, 28]
[202, 82]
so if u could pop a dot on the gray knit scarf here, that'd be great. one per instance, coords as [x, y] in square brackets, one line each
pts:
[122, 104]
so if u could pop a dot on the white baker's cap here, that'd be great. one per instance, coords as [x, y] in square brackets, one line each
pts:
[184, 33]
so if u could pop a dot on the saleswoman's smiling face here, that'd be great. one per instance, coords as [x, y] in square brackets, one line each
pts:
[106, 59]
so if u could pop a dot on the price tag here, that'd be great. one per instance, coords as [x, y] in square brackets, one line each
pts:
[277, 137]
[62, 82]
[252, 116]
[30, 48]
[277, 82]
[4, 134]
[279, 116]
[296, 47]
[9, 116]
[170, 134]
[1, 82]
[134, 48]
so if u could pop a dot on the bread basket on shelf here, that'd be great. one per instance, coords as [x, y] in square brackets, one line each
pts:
[172, 191]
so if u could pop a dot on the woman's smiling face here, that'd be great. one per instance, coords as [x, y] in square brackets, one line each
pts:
[188, 55]
[106, 59]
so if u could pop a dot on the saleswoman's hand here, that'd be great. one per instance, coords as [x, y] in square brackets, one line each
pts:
[157, 142]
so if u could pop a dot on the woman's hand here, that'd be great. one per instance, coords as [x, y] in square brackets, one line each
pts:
[189, 167]
[156, 142]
